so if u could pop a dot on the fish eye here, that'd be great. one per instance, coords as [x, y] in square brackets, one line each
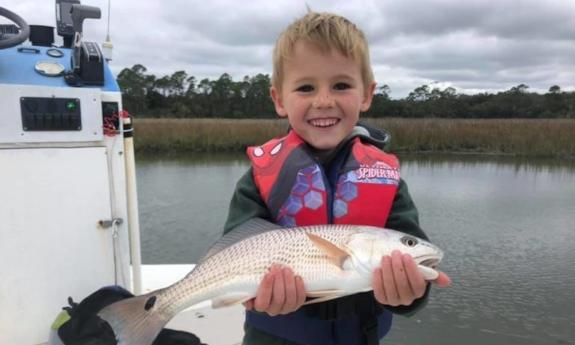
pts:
[409, 241]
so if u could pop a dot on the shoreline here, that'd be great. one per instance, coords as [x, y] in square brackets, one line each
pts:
[541, 138]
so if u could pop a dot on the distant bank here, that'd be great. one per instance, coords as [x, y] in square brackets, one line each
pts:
[520, 137]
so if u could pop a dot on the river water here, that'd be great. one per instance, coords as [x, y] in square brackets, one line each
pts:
[507, 228]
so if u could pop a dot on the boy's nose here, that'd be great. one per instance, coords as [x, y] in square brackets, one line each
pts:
[323, 100]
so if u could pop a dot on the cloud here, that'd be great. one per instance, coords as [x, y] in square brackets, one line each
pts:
[472, 45]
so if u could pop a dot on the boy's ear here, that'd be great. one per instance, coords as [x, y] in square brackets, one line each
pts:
[278, 103]
[368, 97]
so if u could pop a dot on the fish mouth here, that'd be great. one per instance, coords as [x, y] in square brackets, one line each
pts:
[428, 261]
[427, 266]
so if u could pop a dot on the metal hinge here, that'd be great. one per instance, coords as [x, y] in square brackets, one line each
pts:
[108, 223]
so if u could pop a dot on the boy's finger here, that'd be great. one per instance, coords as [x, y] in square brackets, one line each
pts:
[404, 291]
[249, 305]
[290, 291]
[378, 289]
[415, 278]
[389, 282]
[443, 280]
[278, 293]
[264, 294]
[300, 290]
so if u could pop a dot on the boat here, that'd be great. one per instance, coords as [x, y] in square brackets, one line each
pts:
[68, 196]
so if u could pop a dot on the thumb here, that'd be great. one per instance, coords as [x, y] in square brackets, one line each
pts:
[443, 280]
[249, 304]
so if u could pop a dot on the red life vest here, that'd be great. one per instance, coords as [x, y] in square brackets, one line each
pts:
[298, 192]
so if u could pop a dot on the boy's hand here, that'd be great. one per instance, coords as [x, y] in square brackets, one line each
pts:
[399, 282]
[280, 292]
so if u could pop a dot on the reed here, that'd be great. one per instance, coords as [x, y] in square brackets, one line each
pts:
[203, 135]
[520, 137]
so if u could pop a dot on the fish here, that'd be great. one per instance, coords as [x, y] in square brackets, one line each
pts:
[333, 260]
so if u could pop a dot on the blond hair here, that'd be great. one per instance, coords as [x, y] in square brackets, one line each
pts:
[326, 31]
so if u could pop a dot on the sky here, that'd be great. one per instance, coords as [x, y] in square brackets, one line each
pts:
[471, 45]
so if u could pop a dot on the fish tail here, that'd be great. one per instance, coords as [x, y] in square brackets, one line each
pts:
[136, 320]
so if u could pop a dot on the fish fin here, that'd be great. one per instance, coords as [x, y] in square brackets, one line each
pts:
[136, 320]
[251, 227]
[428, 272]
[335, 254]
[324, 295]
[230, 299]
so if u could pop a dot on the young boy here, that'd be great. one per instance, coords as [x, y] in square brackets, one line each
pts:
[327, 169]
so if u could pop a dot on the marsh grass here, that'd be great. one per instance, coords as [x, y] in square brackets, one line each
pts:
[203, 135]
[520, 137]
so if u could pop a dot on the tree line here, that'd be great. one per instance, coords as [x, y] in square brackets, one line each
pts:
[181, 95]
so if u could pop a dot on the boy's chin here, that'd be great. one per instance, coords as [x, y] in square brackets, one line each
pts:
[323, 145]
[325, 142]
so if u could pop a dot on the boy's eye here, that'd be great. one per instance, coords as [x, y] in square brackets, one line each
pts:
[341, 86]
[305, 88]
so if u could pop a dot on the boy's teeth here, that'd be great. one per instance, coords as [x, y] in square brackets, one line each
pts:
[323, 122]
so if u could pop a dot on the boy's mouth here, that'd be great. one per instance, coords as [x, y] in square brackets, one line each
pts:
[324, 123]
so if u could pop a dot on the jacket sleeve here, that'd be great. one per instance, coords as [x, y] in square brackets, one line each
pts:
[404, 217]
[246, 203]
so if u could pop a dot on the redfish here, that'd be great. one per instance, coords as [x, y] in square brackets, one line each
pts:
[333, 261]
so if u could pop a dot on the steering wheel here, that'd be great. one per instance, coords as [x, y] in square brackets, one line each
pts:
[21, 23]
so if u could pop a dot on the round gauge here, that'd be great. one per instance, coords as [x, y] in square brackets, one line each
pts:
[49, 68]
[54, 53]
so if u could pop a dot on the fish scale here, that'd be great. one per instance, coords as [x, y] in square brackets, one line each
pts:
[290, 248]
[332, 260]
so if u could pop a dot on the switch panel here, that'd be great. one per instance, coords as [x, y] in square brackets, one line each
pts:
[50, 114]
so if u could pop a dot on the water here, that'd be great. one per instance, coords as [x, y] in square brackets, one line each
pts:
[507, 228]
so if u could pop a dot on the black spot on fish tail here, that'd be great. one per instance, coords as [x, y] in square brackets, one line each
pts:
[150, 303]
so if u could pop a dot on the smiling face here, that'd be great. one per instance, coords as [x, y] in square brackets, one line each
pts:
[321, 94]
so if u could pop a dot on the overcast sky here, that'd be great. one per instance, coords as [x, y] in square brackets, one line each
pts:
[471, 45]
